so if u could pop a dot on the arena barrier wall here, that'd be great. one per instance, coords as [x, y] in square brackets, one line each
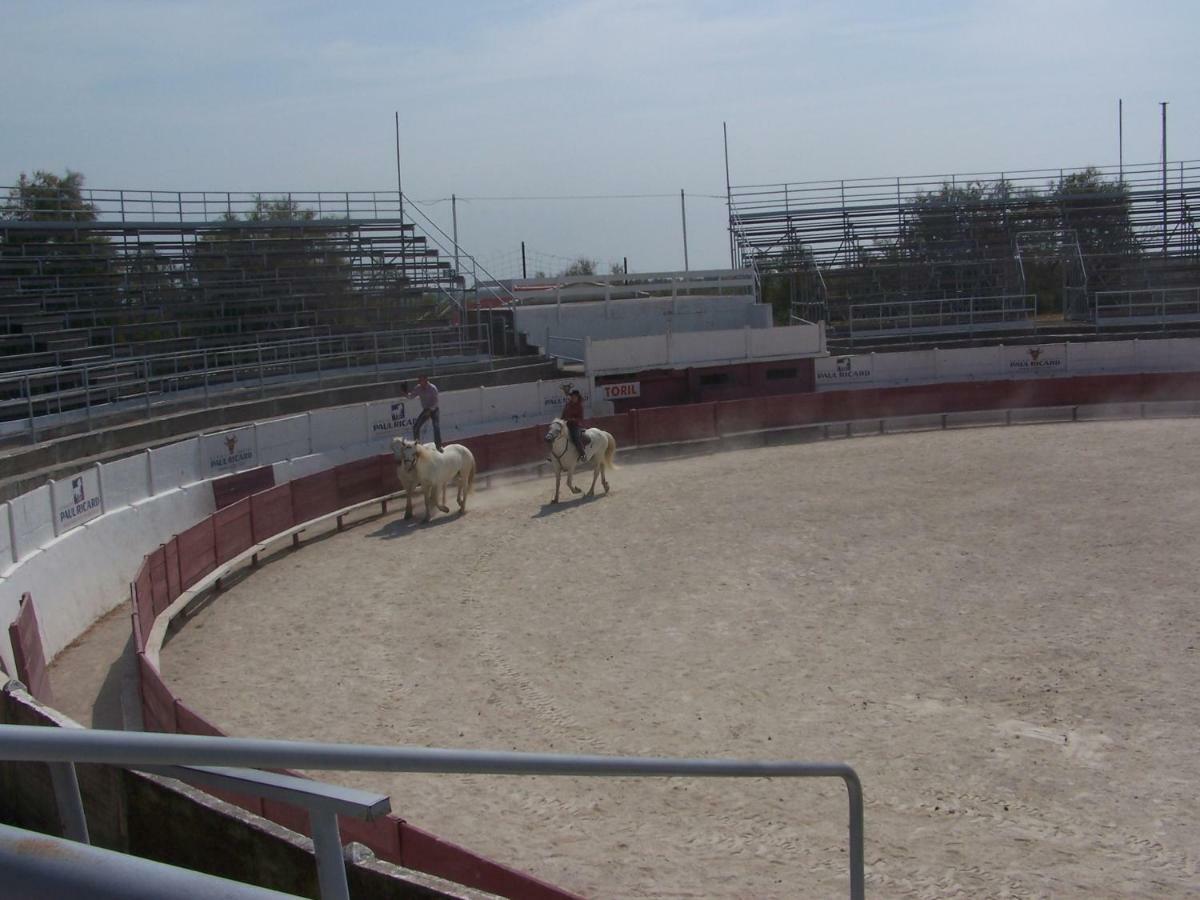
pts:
[27, 647]
[98, 547]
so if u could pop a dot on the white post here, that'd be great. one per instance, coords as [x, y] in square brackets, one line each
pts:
[100, 487]
[149, 474]
[746, 335]
[12, 533]
[53, 510]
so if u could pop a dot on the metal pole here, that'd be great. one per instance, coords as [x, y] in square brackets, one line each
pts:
[70, 803]
[454, 217]
[683, 216]
[1121, 138]
[204, 364]
[728, 195]
[523, 274]
[400, 196]
[1163, 104]
[327, 846]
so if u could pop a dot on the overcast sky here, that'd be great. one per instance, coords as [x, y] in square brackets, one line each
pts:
[540, 99]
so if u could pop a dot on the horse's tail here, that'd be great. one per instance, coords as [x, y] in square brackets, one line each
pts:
[470, 486]
[610, 451]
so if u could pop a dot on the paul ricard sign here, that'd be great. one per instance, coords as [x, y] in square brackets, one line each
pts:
[1048, 359]
[392, 417]
[229, 450]
[839, 370]
[76, 500]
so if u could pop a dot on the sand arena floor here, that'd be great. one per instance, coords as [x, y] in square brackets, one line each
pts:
[998, 627]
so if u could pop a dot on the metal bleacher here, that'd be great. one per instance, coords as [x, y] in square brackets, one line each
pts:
[112, 296]
[1083, 243]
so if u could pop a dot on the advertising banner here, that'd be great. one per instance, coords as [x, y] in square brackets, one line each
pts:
[553, 397]
[229, 450]
[76, 500]
[835, 371]
[392, 418]
[1025, 362]
[625, 390]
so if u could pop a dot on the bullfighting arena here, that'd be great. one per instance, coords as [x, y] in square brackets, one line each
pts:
[996, 626]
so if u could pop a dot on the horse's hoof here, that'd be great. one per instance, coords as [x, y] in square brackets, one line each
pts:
[407, 516]
[590, 494]
[576, 490]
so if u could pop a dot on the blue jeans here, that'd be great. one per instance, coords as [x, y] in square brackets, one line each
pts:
[425, 416]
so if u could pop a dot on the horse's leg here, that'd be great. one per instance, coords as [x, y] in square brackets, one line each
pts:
[557, 481]
[441, 498]
[462, 492]
[571, 478]
[596, 470]
[408, 492]
[430, 499]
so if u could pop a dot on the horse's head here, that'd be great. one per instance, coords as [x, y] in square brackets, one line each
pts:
[406, 452]
[557, 427]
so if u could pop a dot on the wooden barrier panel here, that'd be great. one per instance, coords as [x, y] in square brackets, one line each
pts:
[479, 447]
[159, 593]
[358, 481]
[234, 534]
[143, 599]
[292, 817]
[668, 424]
[197, 552]
[389, 479]
[229, 489]
[158, 706]
[271, 512]
[382, 835]
[425, 852]
[26, 640]
[174, 588]
[314, 495]
[619, 426]
[517, 447]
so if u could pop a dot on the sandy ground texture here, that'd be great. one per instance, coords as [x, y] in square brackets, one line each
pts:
[997, 627]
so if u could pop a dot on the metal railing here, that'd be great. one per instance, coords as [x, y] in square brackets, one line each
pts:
[1161, 306]
[63, 748]
[571, 349]
[959, 314]
[735, 282]
[122, 384]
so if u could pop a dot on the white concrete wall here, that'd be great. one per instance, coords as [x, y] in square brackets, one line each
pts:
[83, 574]
[704, 348]
[602, 320]
[1000, 362]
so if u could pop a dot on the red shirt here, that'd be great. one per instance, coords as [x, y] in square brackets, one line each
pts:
[573, 410]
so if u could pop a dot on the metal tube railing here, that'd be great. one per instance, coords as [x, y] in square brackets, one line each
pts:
[33, 743]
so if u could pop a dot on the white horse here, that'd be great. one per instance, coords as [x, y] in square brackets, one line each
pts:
[408, 476]
[566, 457]
[434, 469]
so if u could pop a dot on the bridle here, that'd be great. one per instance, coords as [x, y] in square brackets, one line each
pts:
[562, 431]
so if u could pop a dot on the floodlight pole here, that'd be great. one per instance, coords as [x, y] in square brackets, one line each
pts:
[400, 197]
[728, 194]
[1121, 139]
[1163, 104]
[683, 215]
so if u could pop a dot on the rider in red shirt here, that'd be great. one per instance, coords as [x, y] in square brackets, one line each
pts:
[572, 414]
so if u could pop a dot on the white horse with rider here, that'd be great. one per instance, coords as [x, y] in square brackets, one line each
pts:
[599, 449]
[432, 469]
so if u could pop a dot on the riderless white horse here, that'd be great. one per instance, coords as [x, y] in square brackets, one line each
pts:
[424, 464]
[601, 446]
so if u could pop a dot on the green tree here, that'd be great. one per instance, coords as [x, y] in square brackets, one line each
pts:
[581, 266]
[49, 245]
[279, 258]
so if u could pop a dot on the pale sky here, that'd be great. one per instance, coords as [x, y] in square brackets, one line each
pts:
[540, 99]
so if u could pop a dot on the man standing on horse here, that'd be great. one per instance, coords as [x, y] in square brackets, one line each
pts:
[428, 394]
[572, 414]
